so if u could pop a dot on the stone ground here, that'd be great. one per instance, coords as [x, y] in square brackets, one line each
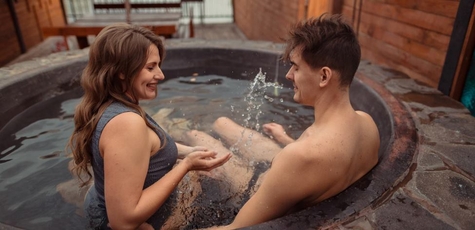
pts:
[438, 189]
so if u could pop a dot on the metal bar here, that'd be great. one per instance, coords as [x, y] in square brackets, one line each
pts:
[144, 6]
[136, 5]
[457, 38]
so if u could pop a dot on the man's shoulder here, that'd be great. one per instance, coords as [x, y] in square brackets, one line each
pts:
[366, 119]
[307, 151]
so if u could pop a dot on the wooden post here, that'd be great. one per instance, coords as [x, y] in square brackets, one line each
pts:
[127, 11]
[457, 39]
[192, 30]
[464, 60]
[319, 7]
[302, 10]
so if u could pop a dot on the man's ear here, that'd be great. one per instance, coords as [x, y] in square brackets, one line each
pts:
[326, 75]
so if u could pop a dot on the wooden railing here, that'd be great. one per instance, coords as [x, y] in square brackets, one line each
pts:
[162, 23]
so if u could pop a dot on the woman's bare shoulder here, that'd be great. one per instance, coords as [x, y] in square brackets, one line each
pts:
[124, 126]
[127, 120]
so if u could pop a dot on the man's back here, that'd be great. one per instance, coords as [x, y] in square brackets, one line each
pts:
[340, 151]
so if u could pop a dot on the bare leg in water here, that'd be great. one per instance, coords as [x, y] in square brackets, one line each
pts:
[201, 195]
[252, 147]
[250, 143]
[237, 173]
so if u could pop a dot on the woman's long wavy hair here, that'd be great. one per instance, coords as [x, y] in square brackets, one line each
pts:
[119, 49]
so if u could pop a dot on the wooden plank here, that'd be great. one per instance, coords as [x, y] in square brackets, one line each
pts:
[347, 13]
[378, 59]
[81, 32]
[57, 18]
[430, 73]
[436, 40]
[70, 31]
[301, 13]
[446, 8]
[405, 30]
[429, 38]
[429, 21]
[351, 10]
[415, 48]
[399, 34]
[94, 30]
[348, 3]
[318, 7]
[269, 14]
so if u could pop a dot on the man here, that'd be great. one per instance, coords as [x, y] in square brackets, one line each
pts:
[338, 148]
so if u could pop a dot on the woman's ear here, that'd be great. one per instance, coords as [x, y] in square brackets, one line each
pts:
[121, 76]
[326, 75]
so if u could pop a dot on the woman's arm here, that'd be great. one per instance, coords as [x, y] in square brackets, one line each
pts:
[126, 146]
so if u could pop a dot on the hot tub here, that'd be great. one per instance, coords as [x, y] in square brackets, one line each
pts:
[24, 205]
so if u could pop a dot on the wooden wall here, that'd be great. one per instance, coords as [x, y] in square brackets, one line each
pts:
[318, 7]
[267, 19]
[411, 36]
[8, 41]
[32, 15]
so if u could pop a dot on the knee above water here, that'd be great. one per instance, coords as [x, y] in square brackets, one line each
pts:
[221, 121]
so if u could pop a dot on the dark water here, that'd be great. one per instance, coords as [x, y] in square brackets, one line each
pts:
[33, 163]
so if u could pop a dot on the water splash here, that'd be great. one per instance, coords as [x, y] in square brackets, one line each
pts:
[254, 100]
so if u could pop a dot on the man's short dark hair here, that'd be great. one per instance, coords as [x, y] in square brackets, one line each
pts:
[327, 41]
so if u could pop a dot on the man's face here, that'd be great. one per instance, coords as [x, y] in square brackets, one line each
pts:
[304, 79]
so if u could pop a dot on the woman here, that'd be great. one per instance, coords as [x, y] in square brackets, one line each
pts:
[131, 156]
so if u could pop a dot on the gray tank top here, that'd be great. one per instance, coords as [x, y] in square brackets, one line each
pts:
[160, 164]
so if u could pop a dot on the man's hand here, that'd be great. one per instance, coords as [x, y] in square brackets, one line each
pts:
[277, 132]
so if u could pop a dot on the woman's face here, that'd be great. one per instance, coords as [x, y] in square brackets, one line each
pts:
[145, 84]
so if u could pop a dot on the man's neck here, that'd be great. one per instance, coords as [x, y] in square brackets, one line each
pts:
[331, 105]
